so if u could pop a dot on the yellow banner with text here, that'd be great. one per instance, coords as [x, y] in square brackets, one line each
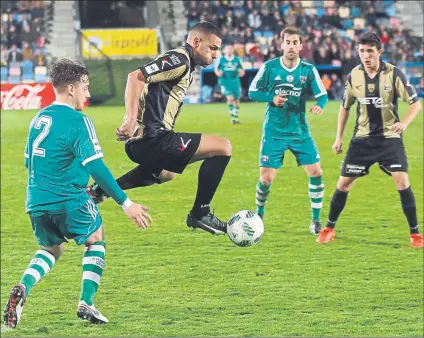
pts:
[119, 42]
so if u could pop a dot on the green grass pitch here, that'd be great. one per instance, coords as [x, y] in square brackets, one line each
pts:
[171, 281]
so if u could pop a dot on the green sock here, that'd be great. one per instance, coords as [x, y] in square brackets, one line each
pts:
[316, 194]
[230, 109]
[262, 192]
[236, 112]
[93, 263]
[41, 263]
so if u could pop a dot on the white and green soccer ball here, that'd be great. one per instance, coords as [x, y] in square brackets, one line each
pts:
[245, 228]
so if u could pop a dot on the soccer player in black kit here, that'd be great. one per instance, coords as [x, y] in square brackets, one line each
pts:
[153, 99]
[376, 86]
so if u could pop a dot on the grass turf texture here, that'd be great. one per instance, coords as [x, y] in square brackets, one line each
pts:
[171, 281]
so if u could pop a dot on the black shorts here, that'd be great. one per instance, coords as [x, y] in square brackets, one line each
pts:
[168, 150]
[389, 153]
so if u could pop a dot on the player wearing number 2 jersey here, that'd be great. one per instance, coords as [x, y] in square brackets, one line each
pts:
[62, 151]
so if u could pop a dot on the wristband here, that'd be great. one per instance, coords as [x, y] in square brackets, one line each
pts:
[127, 203]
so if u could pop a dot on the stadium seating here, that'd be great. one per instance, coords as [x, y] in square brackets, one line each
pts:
[3, 74]
[15, 72]
[40, 74]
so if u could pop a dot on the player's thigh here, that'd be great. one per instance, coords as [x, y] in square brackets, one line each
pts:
[360, 156]
[392, 156]
[80, 224]
[304, 150]
[271, 154]
[236, 95]
[211, 146]
[56, 250]
[46, 230]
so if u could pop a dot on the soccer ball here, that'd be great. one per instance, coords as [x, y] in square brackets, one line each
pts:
[245, 228]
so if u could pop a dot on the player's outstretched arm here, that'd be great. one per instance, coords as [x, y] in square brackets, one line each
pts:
[101, 174]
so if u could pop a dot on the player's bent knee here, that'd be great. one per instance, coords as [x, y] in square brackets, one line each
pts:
[345, 187]
[401, 180]
[227, 148]
[267, 178]
[166, 176]
[56, 250]
[266, 181]
[316, 173]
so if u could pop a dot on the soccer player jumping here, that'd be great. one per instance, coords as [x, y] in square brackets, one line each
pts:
[229, 70]
[284, 83]
[62, 151]
[153, 100]
[377, 138]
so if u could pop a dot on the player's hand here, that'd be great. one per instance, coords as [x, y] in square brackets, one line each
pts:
[219, 73]
[279, 100]
[126, 130]
[91, 192]
[337, 146]
[399, 127]
[316, 110]
[139, 215]
[241, 72]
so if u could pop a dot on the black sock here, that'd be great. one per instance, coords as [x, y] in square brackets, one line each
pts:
[210, 174]
[409, 209]
[138, 177]
[338, 202]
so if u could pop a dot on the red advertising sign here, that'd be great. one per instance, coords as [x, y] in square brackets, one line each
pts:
[27, 96]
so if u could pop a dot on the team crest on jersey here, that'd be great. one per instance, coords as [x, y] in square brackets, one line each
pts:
[371, 87]
[302, 79]
[175, 60]
[265, 158]
[289, 78]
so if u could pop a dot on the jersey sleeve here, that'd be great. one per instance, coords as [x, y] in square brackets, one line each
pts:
[240, 64]
[316, 84]
[260, 81]
[348, 97]
[26, 154]
[27, 150]
[166, 67]
[83, 141]
[403, 89]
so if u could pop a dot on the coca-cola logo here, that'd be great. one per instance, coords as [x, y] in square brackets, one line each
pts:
[22, 96]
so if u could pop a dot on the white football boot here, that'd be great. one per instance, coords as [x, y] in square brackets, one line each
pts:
[90, 313]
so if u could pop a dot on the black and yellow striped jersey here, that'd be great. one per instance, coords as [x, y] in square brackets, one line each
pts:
[167, 78]
[377, 108]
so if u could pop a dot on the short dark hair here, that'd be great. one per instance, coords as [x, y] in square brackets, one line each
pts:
[207, 28]
[371, 39]
[291, 30]
[65, 72]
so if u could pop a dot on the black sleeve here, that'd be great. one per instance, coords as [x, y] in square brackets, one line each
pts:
[165, 67]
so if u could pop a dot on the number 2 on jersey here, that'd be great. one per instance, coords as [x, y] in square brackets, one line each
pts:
[47, 122]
